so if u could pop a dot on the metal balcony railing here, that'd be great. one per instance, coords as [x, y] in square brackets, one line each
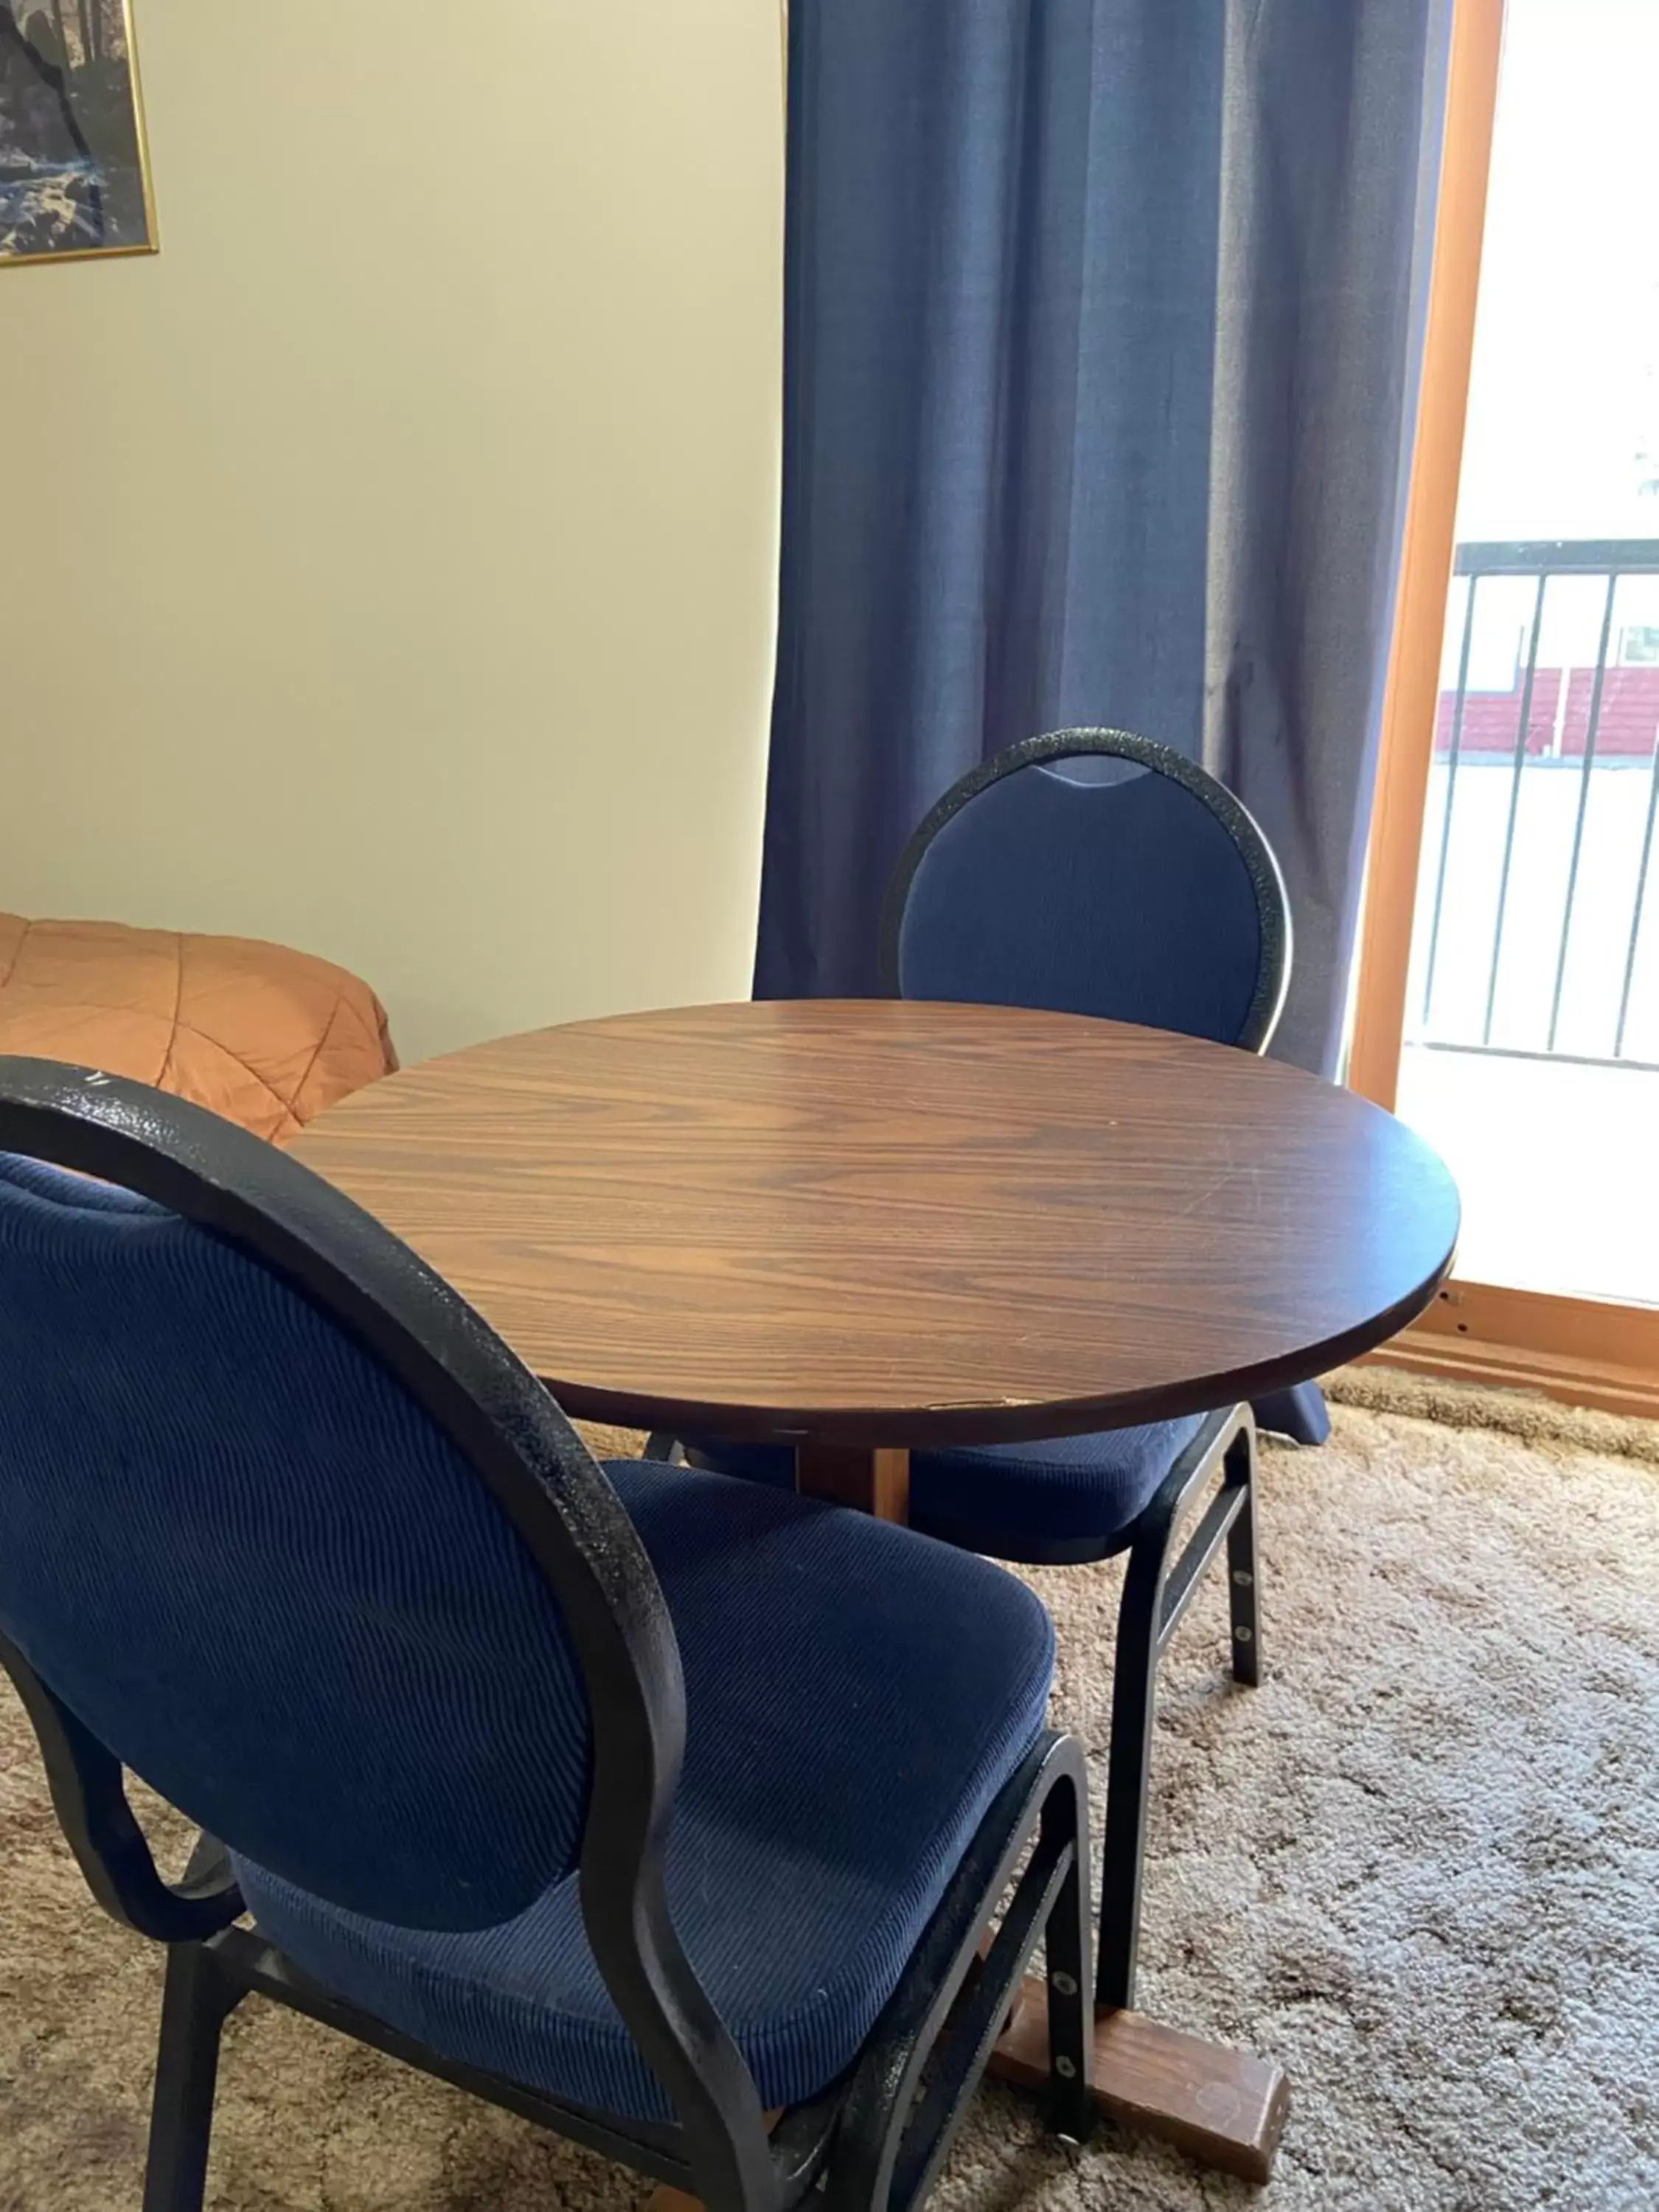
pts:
[1529, 939]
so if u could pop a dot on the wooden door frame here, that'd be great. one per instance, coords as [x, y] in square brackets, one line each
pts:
[1411, 695]
[1585, 1351]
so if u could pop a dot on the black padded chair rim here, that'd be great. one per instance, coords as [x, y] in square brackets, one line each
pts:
[1271, 900]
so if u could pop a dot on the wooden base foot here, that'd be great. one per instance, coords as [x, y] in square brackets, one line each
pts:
[1223, 2106]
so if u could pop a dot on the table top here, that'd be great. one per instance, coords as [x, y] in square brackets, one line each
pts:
[886, 1222]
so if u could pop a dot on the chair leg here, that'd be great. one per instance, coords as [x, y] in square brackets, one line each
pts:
[1128, 1769]
[1244, 1567]
[1156, 1593]
[1066, 1956]
[196, 2000]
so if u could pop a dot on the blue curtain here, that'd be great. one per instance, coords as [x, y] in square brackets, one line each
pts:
[1101, 325]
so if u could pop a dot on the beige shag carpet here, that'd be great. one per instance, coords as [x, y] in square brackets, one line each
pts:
[1419, 1868]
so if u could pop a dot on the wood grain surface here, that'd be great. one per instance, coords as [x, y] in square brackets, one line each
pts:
[884, 1222]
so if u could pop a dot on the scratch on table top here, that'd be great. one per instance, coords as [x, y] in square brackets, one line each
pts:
[1232, 1171]
[975, 1405]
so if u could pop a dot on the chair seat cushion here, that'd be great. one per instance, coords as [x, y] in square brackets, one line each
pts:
[855, 1696]
[1012, 1500]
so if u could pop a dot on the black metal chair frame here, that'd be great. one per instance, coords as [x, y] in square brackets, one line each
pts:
[878, 2136]
[1158, 1586]
[1273, 904]
[1283, 1409]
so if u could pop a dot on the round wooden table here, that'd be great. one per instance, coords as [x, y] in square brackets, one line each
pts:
[870, 1226]
[864, 1226]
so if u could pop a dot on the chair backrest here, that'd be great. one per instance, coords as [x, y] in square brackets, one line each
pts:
[1093, 872]
[286, 1528]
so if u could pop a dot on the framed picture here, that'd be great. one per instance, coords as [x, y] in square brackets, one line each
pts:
[74, 176]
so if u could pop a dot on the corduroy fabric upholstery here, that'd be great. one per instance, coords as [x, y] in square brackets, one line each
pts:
[856, 1698]
[335, 1652]
[1094, 886]
[1007, 1498]
[1011, 1498]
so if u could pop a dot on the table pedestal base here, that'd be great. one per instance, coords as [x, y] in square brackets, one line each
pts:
[1223, 2106]
[869, 1480]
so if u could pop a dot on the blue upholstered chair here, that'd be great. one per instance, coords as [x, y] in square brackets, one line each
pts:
[641, 1807]
[1096, 873]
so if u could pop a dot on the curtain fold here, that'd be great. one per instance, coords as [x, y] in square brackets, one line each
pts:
[1329, 117]
[1100, 348]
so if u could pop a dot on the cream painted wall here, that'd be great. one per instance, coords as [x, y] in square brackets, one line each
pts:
[389, 563]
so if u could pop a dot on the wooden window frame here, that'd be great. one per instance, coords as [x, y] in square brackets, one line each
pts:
[1585, 1351]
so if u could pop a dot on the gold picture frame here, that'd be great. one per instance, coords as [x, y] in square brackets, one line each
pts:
[75, 174]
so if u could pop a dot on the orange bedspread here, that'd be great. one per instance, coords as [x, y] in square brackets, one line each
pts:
[266, 1036]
